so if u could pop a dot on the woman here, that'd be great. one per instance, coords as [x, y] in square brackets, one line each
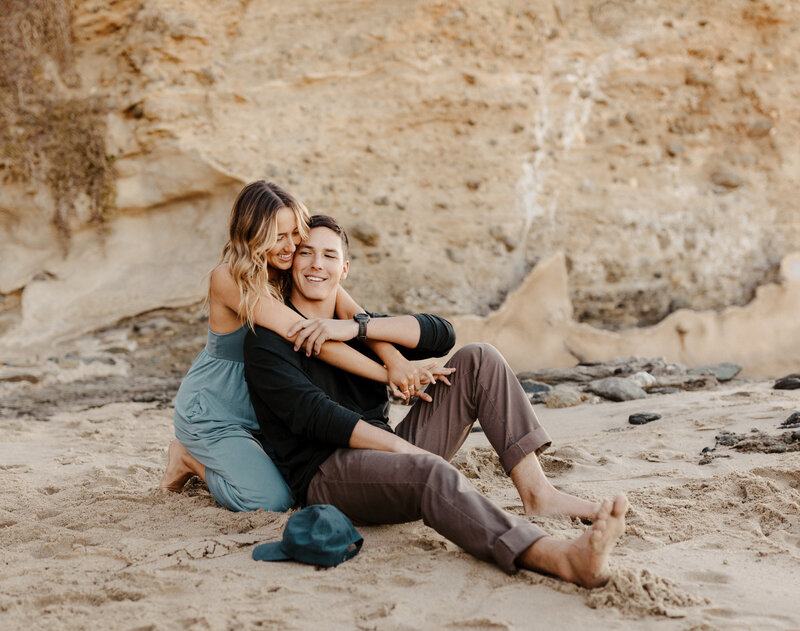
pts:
[214, 420]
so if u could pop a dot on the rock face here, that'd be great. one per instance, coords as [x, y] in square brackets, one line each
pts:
[471, 141]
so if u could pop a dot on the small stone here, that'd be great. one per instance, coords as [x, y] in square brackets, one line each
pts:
[563, 397]
[723, 371]
[383, 200]
[469, 78]
[366, 234]
[674, 149]
[534, 387]
[632, 118]
[454, 255]
[791, 422]
[643, 418]
[473, 185]
[668, 390]
[643, 379]
[584, 93]
[617, 389]
[517, 127]
[728, 179]
[789, 382]
[760, 128]
[552, 33]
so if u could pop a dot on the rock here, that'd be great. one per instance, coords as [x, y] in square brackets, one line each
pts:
[632, 118]
[664, 390]
[760, 128]
[473, 185]
[516, 128]
[563, 397]
[534, 387]
[366, 234]
[643, 418]
[723, 372]
[617, 389]
[687, 382]
[674, 149]
[791, 422]
[383, 200]
[454, 255]
[789, 382]
[643, 379]
[726, 179]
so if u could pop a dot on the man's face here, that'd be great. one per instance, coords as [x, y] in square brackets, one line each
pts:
[319, 265]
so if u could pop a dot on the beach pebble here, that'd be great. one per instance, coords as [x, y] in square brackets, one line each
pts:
[617, 389]
[642, 418]
[643, 379]
[534, 387]
[791, 422]
[789, 382]
[563, 397]
[723, 371]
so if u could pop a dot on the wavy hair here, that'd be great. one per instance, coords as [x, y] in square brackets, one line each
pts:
[253, 232]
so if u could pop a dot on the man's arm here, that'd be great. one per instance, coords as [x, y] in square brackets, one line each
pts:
[276, 377]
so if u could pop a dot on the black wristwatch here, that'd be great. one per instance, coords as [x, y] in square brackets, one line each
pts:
[362, 319]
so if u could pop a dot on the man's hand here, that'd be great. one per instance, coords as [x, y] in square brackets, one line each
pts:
[312, 334]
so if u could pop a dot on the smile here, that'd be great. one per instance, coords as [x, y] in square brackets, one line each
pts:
[315, 279]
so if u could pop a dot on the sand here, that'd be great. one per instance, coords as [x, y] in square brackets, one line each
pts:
[90, 543]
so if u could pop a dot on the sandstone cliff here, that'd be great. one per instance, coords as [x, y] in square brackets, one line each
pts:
[653, 143]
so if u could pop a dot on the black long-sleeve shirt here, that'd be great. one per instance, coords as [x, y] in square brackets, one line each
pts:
[307, 408]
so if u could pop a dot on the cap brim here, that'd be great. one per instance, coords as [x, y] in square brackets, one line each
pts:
[270, 552]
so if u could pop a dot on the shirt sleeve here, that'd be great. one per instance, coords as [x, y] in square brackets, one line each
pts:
[283, 392]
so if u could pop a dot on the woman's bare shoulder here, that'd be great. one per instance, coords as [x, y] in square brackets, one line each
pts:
[221, 276]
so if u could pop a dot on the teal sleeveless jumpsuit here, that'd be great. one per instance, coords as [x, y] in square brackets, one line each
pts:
[215, 421]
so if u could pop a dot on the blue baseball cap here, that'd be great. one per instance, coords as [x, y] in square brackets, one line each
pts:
[319, 534]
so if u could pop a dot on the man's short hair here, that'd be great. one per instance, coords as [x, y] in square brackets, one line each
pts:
[326, 221]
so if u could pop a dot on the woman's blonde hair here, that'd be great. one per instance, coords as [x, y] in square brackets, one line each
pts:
[253, 232]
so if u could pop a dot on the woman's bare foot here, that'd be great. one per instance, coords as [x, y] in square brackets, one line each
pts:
[179, 468]
[584, 560]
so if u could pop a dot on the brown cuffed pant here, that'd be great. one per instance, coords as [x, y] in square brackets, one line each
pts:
[379, 487]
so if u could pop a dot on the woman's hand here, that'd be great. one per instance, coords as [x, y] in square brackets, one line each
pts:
[407, 379]
[312, 334]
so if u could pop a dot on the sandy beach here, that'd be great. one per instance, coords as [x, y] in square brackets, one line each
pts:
[90, 543]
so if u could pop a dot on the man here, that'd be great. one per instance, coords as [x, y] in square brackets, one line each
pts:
[332, 442]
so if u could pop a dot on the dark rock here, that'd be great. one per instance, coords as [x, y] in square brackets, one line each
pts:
[723, 371]
[789, 382]
[643, 418]
[727, 179]
[617, 389]
[534, 387]
[791, 422]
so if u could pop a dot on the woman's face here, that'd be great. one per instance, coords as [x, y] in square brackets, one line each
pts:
[281, 254]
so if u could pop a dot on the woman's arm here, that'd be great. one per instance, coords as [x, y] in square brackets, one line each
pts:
[279, 318]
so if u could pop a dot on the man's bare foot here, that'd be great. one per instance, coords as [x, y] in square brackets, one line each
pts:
[178, 471]
[584, 560]
[550, 502]
[539, 497]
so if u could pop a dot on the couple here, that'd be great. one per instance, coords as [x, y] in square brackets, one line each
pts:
[277, 322]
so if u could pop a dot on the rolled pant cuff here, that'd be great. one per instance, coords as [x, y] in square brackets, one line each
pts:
[513, 543]
[535, 441]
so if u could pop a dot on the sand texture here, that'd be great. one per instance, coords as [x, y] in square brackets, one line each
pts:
[89, 543]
